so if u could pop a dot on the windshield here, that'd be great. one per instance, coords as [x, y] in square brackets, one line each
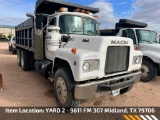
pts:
[77, 25]
[146, 36]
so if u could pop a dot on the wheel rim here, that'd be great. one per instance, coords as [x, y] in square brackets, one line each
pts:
[145, 71]
[61, 90]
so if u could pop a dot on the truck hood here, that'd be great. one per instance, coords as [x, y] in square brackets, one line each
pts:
[150, 47]
[151, 51]
[97, 43]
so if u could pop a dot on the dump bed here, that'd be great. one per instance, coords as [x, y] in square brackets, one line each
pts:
[123, 23]
[107, 32]
[24, 35]
[50, 6]
[126, 23]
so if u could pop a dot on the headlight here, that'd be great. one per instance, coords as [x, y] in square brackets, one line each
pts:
[86, 66]
[137, 59]
[90, 65]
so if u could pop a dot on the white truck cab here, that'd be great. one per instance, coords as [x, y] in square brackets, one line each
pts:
[68, 50]
[144, 40]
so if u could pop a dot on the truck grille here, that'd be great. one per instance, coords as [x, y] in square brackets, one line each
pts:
[117, 59]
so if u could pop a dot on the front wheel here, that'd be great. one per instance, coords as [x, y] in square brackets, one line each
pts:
[64, 88]
[149, 71]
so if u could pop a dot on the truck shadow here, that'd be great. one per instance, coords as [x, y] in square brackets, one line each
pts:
[49, 93]
[5, 52]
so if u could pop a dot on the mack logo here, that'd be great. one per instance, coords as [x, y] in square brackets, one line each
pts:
[119, 42]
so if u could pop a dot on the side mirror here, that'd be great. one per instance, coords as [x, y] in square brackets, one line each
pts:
[34, 18]
[30, 15]
[44, 31]
[65, 38]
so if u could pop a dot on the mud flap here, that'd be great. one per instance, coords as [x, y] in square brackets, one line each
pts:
[38, 44]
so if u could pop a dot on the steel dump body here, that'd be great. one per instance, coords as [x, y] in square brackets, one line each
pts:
[50, 6]
[123, 23]
[126, 23]
[24, 35]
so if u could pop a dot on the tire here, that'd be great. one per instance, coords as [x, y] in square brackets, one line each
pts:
[32, 61]
[64, 88]
[9, 48]
[24, 60]
[125, 90]
[149, 71]
[19, 57]
[13, 51]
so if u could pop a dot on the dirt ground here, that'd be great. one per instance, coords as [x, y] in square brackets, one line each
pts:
[31, 89]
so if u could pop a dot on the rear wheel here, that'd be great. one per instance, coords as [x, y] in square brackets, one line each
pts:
[9, 48]
[64, 88]
[149, 71]
[32, 61]
[13, 51]
[24, 60]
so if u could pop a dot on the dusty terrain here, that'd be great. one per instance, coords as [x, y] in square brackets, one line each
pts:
[31, 89]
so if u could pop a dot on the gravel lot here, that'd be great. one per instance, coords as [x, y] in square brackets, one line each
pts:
[31, 89]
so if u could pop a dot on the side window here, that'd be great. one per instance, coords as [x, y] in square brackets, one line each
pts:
[130, 34]
[53, 22]
[124, 33]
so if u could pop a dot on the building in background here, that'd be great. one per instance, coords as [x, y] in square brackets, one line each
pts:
[7, 31]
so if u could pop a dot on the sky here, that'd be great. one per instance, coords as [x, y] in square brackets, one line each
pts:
[13, 12]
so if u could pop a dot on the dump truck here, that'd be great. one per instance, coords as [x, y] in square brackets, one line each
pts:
[61, 41]
[145, 40]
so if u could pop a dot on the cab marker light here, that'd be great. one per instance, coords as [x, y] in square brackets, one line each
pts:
[74, 50]
[96, 16]
[83, 11]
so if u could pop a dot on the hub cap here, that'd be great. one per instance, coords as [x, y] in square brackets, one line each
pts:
[61, 90]
[145, 71]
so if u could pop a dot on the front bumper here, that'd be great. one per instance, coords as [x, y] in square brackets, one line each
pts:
[102, 87]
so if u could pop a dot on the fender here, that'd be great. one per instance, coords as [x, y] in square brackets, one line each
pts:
[78, 58]
[154, 56]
